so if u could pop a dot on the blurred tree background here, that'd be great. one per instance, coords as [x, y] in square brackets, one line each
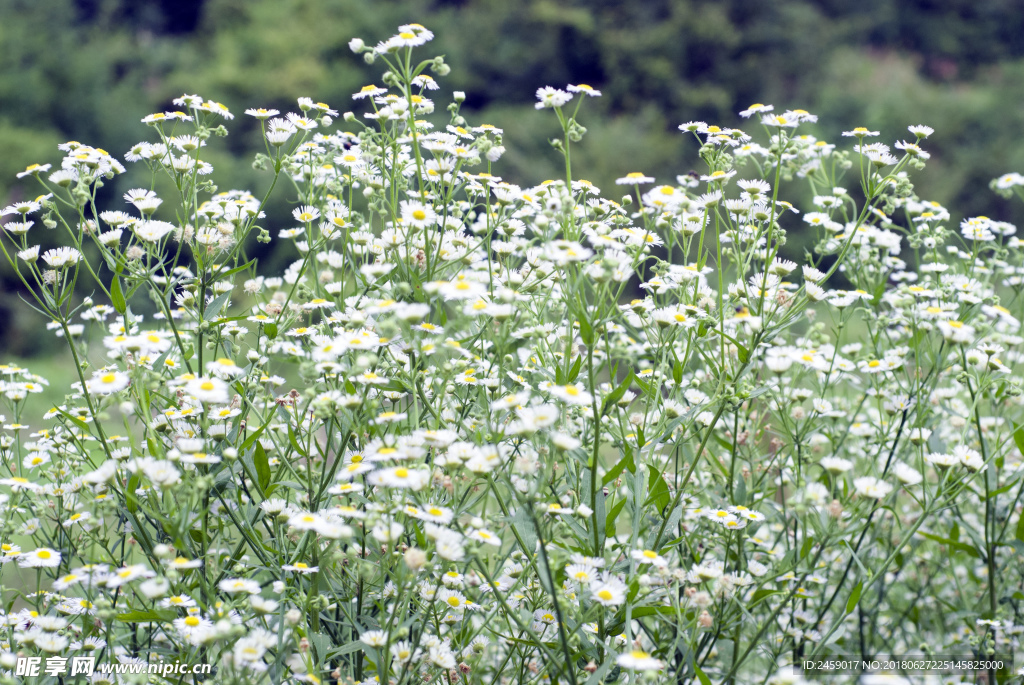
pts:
[88, 70]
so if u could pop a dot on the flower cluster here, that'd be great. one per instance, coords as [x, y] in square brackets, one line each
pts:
[483, 431]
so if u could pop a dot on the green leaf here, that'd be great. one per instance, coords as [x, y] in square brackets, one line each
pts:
[1020, 528]
[763, 593]
[959, 546]
[851, 603]
[147, 616]
[586, 332]
[618, 393]
[262, 468]
[640, 612]
[213, 309]
[645, 386]
[295, 442]
[760, 390]
[805, 549]
[523, 526]
[1018, 436]
[704, 680]
[658, 492]
[743, 352]
[129, 492]
[321, 643]
[256, 434]
[117, 296]
[353, 646]
[582, 535]
[879, 291]
[609, 523]
[625, 463]
[574, 372]
[271, 330]
[395, 385]
[1005, 488]
[224, 274]
[677, 373]
[75, 420]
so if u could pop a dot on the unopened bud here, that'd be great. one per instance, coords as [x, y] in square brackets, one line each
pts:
[415, 558]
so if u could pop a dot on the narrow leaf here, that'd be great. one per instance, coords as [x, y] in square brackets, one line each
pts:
[213, 309]
[129, 492]
[262, 468]
[618, 393]
[574, 372]
[625, 463]
[609, 524]
[117, 296]
[851, 603]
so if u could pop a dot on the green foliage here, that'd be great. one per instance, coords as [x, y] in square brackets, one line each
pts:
[78, 70]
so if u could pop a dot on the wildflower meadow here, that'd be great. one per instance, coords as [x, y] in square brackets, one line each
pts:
[682, 430]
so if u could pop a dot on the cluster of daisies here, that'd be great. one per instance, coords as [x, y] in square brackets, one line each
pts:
[483, 431]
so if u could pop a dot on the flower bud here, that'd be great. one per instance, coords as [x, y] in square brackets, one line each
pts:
[415, 558]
